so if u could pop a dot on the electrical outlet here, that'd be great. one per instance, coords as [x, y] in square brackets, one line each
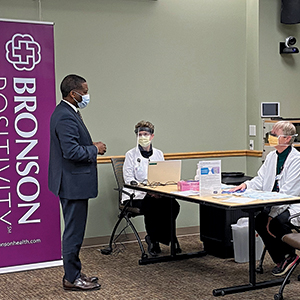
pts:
[251, 145]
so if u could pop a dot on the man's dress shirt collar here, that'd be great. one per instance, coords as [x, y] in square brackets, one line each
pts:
[73, 106]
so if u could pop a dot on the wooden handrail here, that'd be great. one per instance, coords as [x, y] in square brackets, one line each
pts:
[190, 155]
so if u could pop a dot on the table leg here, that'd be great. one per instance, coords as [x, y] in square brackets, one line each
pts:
[173, 229]
[252, 247]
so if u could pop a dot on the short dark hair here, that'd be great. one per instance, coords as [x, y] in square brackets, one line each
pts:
[71, 82]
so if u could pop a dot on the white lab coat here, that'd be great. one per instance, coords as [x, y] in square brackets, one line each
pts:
[289, 181]
[136, 168]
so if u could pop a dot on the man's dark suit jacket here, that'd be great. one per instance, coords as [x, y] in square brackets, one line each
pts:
[73, 157]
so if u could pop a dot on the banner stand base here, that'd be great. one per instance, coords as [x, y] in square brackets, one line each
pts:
[20, 268]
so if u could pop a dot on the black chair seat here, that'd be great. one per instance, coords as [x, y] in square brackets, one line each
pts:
[134, 210]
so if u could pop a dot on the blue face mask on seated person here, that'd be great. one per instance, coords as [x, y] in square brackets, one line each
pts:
[84, 102]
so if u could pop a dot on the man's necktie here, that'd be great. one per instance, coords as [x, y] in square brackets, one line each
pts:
[79, 114]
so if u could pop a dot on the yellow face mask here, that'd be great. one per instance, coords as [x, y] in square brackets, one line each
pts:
[144, 141]
[273, 140]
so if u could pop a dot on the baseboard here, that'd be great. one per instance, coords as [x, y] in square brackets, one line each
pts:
[130, 237]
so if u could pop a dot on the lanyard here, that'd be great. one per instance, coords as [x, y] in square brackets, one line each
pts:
[279, 175]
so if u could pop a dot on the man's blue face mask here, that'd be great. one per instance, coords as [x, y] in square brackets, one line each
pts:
[84, 102]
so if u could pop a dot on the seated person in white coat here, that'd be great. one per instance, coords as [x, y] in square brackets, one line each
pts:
[279, 173]
[156, 210]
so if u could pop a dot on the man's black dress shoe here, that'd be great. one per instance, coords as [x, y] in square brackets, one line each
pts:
[151, 250]
[89, 279]
[80, 285]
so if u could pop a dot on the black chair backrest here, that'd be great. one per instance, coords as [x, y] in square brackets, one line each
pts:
[117, 164]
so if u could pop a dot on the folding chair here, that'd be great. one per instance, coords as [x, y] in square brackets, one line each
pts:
[127, 210]
[292, 239]
[260, 269]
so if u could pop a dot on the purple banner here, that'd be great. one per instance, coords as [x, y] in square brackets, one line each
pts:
[29, 213]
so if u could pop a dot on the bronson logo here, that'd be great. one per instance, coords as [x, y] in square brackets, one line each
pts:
[23, 52]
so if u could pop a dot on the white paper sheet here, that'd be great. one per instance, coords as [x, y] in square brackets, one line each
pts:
[240, 200]
[186, 193]
[209, 177]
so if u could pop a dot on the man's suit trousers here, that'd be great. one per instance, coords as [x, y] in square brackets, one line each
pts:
[75, 216]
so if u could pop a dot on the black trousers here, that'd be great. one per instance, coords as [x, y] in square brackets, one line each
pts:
[75, 216]
[279, 226]
[157, 216]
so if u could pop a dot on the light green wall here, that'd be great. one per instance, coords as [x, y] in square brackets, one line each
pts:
[197, 69]
[252, 75]
[278, 75]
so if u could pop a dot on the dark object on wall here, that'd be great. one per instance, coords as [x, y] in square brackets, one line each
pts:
[234, 178]
[215, 223]
[290, 11]
[287, 46]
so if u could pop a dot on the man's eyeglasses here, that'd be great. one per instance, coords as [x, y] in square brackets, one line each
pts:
[273, 134]
[284, 135]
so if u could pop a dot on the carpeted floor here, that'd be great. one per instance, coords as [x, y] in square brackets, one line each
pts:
[122, 278]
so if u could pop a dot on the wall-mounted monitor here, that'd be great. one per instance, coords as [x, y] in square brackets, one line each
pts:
[270, 109]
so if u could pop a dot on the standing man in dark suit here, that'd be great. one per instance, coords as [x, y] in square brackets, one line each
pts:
[73, 175]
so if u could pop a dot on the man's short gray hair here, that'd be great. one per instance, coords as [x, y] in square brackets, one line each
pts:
[287, 129]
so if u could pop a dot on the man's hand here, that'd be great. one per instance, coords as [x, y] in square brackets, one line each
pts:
[101, 147]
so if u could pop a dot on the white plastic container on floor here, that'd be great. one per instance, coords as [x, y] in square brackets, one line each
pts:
[241, 241]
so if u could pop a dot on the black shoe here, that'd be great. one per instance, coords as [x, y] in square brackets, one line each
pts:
[285, 265]
[177, 247]
[156, 247]
[151, 250]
